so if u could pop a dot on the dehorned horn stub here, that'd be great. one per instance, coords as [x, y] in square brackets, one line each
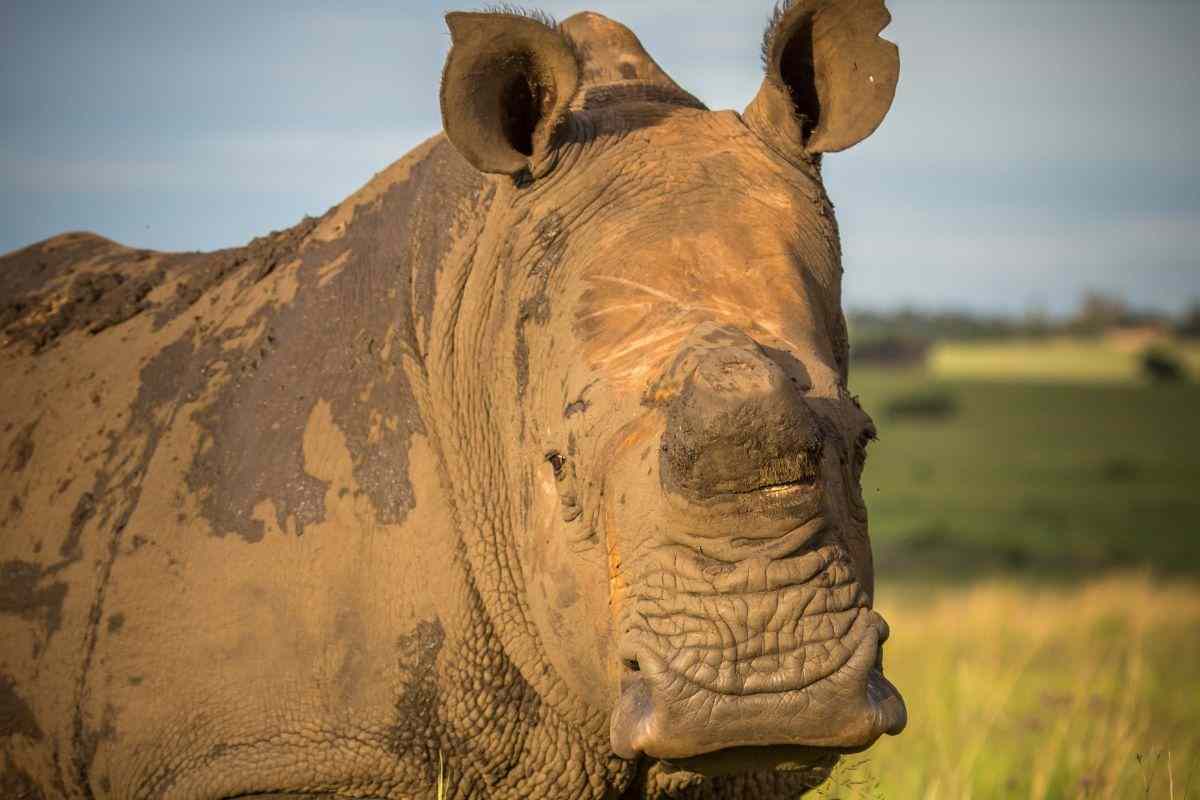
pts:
[614, 65]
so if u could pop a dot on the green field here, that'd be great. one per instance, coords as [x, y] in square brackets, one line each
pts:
[1038, 478]
[1038, 556]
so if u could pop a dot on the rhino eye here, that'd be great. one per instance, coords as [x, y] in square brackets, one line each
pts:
[557, 462]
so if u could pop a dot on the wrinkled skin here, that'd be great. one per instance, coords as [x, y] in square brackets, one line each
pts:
[532, 464]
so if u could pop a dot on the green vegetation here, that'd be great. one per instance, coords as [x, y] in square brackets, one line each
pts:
[1052, 479]
[1161, 364]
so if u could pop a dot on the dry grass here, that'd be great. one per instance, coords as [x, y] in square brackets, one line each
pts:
[1039, 692]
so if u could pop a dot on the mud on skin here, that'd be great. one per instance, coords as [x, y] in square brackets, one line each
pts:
[532, 464]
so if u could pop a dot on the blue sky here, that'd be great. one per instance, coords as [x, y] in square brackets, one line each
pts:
[1035, 149]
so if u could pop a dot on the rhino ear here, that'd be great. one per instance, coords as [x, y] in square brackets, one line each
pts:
[507, 84]
[830, 78]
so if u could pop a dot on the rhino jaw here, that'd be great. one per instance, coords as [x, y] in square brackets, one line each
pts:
[661, 715]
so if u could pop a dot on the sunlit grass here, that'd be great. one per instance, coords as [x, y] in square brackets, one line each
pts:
[1039, 692]
[1068, 360]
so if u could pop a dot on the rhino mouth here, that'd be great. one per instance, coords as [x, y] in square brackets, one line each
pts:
[767, 651]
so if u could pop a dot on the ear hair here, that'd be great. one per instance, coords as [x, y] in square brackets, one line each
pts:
[535, 14]
[771, 31]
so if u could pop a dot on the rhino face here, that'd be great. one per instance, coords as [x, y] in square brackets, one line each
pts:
[695, 554]
[705, 440]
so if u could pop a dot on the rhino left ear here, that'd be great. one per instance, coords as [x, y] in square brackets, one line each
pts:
[830, 78]
[508, 82]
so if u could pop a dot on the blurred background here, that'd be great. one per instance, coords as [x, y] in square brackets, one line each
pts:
[1022, 254]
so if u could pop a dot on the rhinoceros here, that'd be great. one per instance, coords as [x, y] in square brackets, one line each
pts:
[528, 471]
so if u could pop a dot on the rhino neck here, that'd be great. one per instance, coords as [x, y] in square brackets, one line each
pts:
[615, 67]
[522, 728]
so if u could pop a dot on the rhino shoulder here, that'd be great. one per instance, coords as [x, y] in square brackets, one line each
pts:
[164, 407]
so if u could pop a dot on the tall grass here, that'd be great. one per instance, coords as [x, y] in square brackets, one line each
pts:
[1020, 691]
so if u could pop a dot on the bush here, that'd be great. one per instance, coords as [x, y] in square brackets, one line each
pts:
[930, 404]
[891, 351]
[1162, 366]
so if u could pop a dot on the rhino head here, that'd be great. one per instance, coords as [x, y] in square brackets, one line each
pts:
[647, 360]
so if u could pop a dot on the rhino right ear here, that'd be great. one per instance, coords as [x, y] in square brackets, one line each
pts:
[830, 77]
[508, 82]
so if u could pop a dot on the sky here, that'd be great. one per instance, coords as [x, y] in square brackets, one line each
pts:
[1035, 150]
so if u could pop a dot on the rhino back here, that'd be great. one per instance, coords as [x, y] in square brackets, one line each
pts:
[214, 477]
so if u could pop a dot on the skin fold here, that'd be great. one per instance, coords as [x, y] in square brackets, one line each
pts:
[532, 465]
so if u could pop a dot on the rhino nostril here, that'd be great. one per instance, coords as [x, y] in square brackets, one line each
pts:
[631, 664]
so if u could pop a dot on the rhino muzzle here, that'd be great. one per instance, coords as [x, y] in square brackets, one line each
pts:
[764, 651]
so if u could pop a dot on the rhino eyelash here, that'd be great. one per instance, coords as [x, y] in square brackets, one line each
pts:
[860, 445]
[557, 463]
